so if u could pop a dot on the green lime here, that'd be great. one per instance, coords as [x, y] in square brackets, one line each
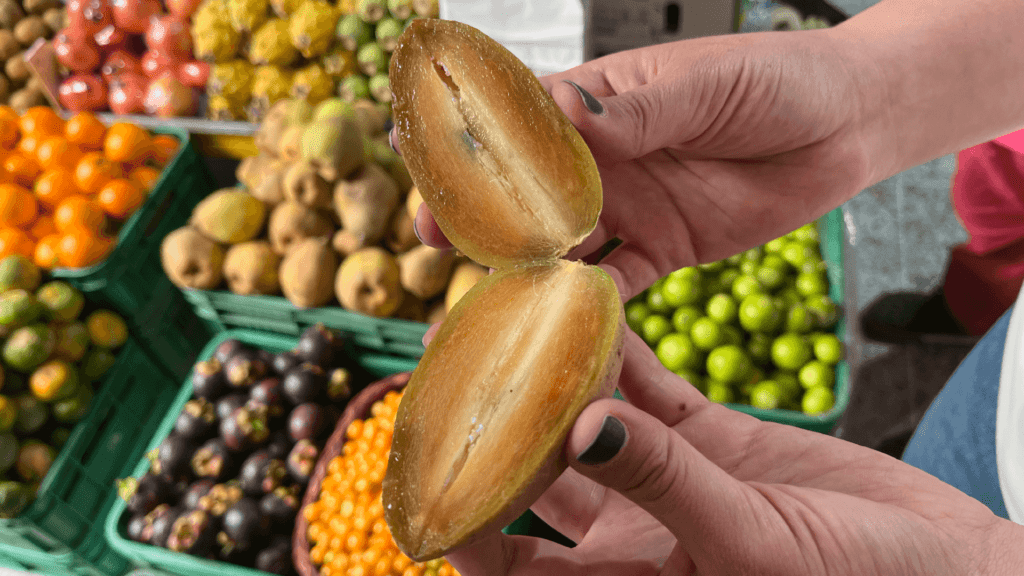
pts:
[636, 313]
[732, 335]
[807, 233]
[735, 259]
[790, 351]
[727, 278]
[787, 381]
[691, 376]
[676, 351]
[815, 264]
[811, 284]
[817, 400]
[656, 287]
[750, 381]
[655, 328]
[790, 296]
[691, 273]
[828, 349]
[746, 285]
[799, 319]
[824, 309]
[775, 246]
[706, 334]
[719, 392]
[749, 267]
[767, 395]
[656, 302]
[770, 277]
[816, 373]
[796, 253]
[684, 317]
[712, 267]
[722, 309]
[775, 261]
[729, 363]
[754, 254]
[759, 313]
[680, 290]
[760, 348]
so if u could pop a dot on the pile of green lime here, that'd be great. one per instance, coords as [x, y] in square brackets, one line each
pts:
[751, 329]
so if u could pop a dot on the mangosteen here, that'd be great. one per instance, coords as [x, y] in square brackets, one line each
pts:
[306, 383]
[227, 349]
[197, 421]
[228, 404]
[194, 532]
[244, 525]
[284, 362]
[246, 428]
[282, 505]
[214, 460]
[136, 528]
[301, 461]
[268, 392]
[318, 345]
[307, 422]
[195, 491]
[208, 380]
[220, 497]
[162, 524]
[261, 474]
[171, 457]
[238, 556]
[244, 369]
[339, 385]
[276, 558]
[280, 444]
[144, 494]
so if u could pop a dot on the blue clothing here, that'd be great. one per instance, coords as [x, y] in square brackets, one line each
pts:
[956, 439]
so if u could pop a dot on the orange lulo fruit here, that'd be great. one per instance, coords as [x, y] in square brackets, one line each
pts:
[347, 531]
[45, 255]
[86, 131]
[145, 178]
[57, 151]
[16, 241]
[42, 227]
[21, 169]
[126, 143]
[164, 147]
[78, 211]
[93, 172]
[120, 198]
[41, 120]
[81, 247]
[8, 113]
[18, 206]
[54, 185]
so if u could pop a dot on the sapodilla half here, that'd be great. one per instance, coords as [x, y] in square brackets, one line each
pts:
[480, 431]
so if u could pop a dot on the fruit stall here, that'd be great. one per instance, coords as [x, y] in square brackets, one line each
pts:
[202, 362]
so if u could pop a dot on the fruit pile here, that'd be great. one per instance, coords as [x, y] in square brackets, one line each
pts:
[264, 51]
[751, 328]
[67, 187]
[347, 530]
[229, 479]
[324, 214]
[132, 57]
[22, 22]
[53, 358]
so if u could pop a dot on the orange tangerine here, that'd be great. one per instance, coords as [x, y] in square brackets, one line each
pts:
[126, 143]
[93, 171]
[45, 255]
[41, 120]
[86, 131]
[78, 211]
[145, 178]
[22, 169]
[81, 247]
[57, 151]
[16, 241]
[8, 133]
[120, 198]
[42, 227]
[28, 144]
[164, 147]
[55, 185]
[8, 113]
[17, 206]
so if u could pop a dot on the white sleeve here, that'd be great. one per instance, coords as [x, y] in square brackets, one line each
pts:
[1010, 417]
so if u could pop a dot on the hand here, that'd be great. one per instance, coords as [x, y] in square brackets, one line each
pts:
[697, 488]
[708, 147]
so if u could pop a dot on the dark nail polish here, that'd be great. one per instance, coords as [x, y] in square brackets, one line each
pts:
[592, 104]
[606, 444]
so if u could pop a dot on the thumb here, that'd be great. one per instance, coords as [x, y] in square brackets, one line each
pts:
[630, 451]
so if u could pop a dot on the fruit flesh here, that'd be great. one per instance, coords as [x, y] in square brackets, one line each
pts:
[507, 177]
[480, 430]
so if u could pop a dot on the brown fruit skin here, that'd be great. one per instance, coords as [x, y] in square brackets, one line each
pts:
[9, 46]
[262, 175]
[465, 276]
[26, 98]
[424, 271]
[291, 222]
[251, 268]
[477, 174]
[307, 273]
[364, 205]
[29, 30]
[192, 260]
[368, 282]
[303, 184]
[16, 69]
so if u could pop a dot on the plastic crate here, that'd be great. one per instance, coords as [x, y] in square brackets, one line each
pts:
[132, 281]
[376, 364]
[222, 310]
[61, 532]
[831, 230]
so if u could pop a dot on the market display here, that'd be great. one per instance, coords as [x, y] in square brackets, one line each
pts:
[322, 216]
[228, 480]
[54, 356]
[347, 530]
[540, 327]
[22, 22]
[751, 328]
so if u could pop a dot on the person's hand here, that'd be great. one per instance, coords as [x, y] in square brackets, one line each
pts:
[708, 147]
[674, 484]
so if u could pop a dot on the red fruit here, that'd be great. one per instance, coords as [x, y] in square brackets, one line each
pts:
[111, 38]
[90, 16]
[194, 73]
[128, 93]
[167, 98]
[120, 62]
[133, 16]
[170, 35]
[76, 51]
[83, 92]
[155, 63]
[183, 9]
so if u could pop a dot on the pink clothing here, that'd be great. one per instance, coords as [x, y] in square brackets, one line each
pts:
[1013, 141]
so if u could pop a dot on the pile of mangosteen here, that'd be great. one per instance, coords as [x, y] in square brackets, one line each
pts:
[228, 481]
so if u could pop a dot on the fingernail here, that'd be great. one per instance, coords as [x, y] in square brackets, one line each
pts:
[606, 444]
[416, 229]
[391, 141]
[592, 104]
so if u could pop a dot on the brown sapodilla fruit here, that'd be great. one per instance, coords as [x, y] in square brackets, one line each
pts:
[480, 431]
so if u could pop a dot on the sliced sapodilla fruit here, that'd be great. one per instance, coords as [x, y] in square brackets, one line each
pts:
[480, 431]
[506, 175]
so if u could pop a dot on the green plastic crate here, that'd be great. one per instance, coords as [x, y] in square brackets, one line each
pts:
[132, 281]
[222, 310]
[61, 532]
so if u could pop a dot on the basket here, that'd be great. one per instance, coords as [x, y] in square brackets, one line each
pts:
[378, 365]
[61, 532]
[132, 281]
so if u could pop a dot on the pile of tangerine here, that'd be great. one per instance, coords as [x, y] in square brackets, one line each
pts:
[66, 186]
